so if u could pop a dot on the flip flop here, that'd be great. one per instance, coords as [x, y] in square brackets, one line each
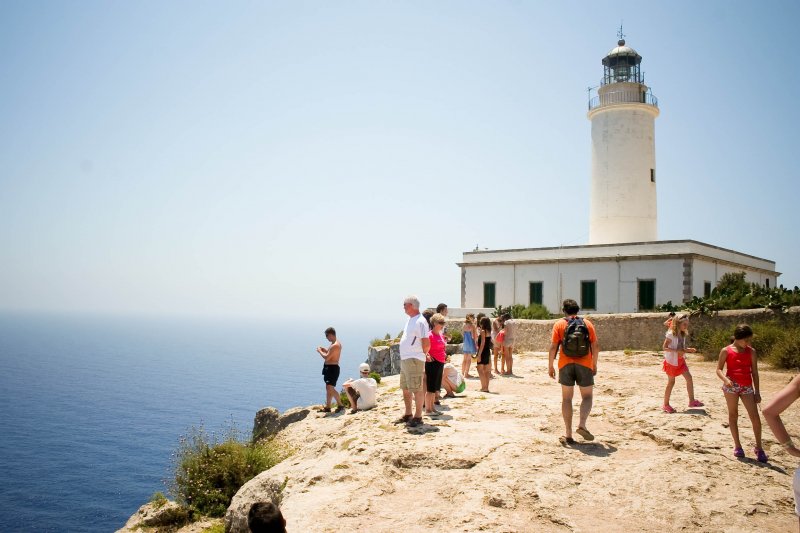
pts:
[403, 419]
[566, 441]
[583, 432]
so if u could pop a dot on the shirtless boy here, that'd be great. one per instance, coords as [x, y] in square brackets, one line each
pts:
[330, 369]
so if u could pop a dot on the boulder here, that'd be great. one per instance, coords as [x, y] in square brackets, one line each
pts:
[452, 349]
[267, 423]
[166, 514]
[379, 359]
[261, 488]
[290, 416]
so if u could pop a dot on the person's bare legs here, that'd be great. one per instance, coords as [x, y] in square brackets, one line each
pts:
[566, 408]
[465, 364]
[586, 405]
[733, 417]
[352, 397]
[496, 357]
[419, 397]
[429, 399]
[749, 402]
[689, 385]
[509, 361]
[407, 394]
[331, 395]
[484, 371]
[668, 390]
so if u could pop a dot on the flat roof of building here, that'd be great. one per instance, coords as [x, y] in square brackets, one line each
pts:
[617, 251]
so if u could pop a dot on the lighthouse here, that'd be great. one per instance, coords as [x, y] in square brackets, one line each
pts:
[623, 190]
[624, 268]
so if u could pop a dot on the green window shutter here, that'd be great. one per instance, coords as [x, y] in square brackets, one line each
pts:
[588, 295]
[489, 294]
[647, 294]
[536, 293]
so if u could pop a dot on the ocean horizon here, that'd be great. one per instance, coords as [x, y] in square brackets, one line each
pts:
[92, 407]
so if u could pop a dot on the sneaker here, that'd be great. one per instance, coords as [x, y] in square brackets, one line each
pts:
[739, 453]
[414, 422]
[696, 403]
[760, 455]
[403, 419]
[668, 409]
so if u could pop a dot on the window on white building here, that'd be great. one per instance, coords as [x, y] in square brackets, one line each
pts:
[647, 294]
[489, 290]
[536, 294]
[589, 295]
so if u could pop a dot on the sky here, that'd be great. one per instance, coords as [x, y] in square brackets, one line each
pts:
[289, 159]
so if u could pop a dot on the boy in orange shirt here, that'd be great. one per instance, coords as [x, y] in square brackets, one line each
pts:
[577, 365]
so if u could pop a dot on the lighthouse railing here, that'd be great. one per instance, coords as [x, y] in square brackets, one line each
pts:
[623, 97]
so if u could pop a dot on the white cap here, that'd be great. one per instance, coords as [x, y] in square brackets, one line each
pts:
[363, 367]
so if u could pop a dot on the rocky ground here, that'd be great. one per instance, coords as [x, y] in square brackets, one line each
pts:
[493, 461]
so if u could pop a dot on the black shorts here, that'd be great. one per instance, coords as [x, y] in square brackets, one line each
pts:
[330, 374]
[433, 376]
[575, 374]
[485, 358]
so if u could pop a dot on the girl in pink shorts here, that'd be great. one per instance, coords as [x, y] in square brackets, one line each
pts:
[740, 381]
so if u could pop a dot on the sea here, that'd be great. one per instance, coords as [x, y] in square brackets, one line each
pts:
[92, 407]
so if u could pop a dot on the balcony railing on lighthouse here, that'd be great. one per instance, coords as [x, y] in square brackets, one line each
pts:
[623, 97]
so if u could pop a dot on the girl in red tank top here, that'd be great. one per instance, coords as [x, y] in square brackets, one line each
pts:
[740, 381]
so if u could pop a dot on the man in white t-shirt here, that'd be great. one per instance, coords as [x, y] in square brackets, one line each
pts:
[414, 346]
[361, 391]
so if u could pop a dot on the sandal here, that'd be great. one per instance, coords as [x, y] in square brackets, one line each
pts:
[403, 419]
[324, 410]
[696, 403]
[583, 432]
[668, 409]
[760, 455]
[353, 411]
[414, 422]
[739, 453]
[566, 441]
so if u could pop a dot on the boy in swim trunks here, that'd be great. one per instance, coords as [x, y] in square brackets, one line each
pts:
[330, 369]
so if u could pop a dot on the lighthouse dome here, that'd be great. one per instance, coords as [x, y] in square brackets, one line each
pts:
[622, 54]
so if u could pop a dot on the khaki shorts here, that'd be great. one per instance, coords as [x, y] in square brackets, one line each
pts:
[411, 371]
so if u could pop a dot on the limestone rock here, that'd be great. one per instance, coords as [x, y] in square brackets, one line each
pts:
[261, 488]
[267, 423]
[153, 515]
[295, 414]
[385, 360]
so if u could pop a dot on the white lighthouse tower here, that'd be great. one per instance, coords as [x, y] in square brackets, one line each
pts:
[623, 114]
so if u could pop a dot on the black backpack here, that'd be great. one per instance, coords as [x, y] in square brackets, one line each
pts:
[576, 338]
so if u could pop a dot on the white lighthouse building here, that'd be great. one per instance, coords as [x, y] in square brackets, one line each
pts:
[623, 201]
[624, 267]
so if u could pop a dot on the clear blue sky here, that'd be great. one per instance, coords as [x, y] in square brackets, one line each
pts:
[256, 158]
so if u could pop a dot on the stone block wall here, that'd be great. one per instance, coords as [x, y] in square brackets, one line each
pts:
[637, 331]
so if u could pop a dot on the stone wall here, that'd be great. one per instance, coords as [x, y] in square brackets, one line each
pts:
[385, 360]
[637, 331]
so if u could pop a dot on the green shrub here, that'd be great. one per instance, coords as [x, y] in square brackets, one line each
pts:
[773, 340]
[210, 469]
[216, 528]
[344, 400]
[734, 292]
[158, 500]
[376, 377]
[786, 352]
[532, 312]
[377, 341]
[456, 337]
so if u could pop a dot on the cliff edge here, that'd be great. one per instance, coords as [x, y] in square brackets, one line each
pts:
[493, 461]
